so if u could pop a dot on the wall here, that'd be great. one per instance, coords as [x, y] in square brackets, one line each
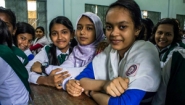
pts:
[73, 8]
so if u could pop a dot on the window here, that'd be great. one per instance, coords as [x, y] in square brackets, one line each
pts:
[154, 16]
[2, 3]
[97, 9]
[32, 13]
[181, 19]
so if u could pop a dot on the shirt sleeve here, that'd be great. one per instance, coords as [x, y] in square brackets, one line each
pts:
[3, 73]
[87, 72]
[40, 57]
[130, 97]
[35, 47]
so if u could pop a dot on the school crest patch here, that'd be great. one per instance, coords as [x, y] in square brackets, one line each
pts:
[132, 70]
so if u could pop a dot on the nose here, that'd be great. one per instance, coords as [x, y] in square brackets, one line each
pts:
[82, 32]
[60, 36]
[115, 32]
[163, 35]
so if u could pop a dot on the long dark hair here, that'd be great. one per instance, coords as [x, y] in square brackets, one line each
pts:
[134, 10]
[22, 28]
[177, 36]
[5, 36]
[10, 14]
[52, 52]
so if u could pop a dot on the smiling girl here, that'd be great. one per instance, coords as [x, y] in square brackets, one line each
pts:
[126, 57]
[23, 38]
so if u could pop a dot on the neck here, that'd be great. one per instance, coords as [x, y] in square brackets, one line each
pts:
[64, 50]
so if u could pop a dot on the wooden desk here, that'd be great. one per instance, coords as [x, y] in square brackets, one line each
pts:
[44, 95]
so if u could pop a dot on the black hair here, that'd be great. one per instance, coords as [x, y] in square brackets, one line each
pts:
[148, 26]
[134, 11]
[22, 28]
[66, 22]
[177, 36]
[5, 36]
[41, 28]
[10, 14]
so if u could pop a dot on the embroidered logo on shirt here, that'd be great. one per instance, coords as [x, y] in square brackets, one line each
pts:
[131, 70]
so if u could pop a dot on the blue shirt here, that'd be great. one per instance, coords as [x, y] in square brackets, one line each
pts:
[129, 97]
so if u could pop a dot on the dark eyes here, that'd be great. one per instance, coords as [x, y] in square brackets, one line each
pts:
[87, 28]
[108, 27]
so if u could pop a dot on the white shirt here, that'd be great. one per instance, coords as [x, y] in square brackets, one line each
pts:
[12, 90]
[41, 57]
[160, 96]
[140, 64]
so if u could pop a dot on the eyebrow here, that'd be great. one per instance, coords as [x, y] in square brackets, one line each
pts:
[122, 22]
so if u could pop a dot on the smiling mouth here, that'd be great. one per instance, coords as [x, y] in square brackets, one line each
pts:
[83, 38]
[115, 41]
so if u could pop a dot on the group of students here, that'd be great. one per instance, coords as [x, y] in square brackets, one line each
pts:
[127, 71]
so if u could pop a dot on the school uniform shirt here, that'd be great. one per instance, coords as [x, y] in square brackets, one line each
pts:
[41, 57]
[38, 44]
[165, 55]
[140, 64]
[29, 54]
[12, 90]
[159, 98]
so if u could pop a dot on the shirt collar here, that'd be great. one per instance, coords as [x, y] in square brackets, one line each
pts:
[59, 52]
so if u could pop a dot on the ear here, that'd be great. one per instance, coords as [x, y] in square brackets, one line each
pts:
[14, 31]
[72, 35]
[137, 31]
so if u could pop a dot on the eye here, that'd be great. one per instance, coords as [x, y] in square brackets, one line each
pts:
[30, 41]
[79, 28]
[53, 33]
[168, 34]
[64, 32]
[160, 32]
[121, 27]
[23, 38]
[108, 27]
[89, 28]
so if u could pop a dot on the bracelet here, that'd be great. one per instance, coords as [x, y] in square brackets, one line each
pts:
[43, 69]
[90, 93]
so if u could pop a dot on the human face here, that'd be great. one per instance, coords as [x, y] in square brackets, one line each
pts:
[4, 17]
[120, 29]
[39, 33]
[24, 41]
[85, 32]
[61, 35]
[164, 35]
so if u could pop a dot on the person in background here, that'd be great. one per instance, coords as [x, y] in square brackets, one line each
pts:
[40, 41]
[167, 39]
[23, 38]
[148, 26]
[183, 37]
[9, 18]
[127, 72]
[14, 87]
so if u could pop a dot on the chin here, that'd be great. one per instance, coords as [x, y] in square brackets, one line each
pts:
[116, 47]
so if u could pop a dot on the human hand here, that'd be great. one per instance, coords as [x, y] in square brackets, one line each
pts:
[56, 80]
[116, 87]
[73, 88]
[36, 67]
